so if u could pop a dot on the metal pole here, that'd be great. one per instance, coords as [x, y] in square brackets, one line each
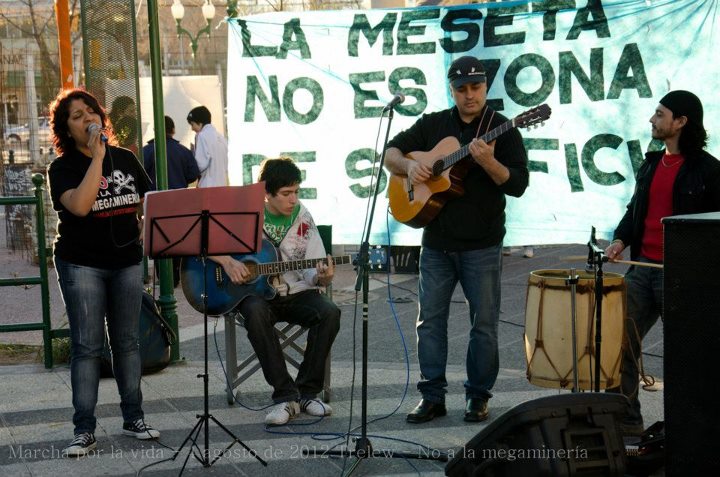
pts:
[167, 301]
[62, 16]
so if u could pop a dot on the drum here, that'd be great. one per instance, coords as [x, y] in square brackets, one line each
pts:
[548, 329]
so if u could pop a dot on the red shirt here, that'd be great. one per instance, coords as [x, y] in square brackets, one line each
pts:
[660, 205]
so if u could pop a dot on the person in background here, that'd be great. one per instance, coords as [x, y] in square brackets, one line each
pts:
[182, 169]
[97, 189]
[211, 150]
[123, 117]
[681, 179]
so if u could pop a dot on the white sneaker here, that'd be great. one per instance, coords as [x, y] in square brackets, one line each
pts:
[282, 413]
[315, 407]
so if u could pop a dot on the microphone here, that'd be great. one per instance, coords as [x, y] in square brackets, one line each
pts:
[95, 127]
[399, 98]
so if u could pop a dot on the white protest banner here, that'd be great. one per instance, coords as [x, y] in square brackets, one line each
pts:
[312, 85]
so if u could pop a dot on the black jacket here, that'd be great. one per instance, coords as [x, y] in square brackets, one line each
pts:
[696, 190]
[476, 219]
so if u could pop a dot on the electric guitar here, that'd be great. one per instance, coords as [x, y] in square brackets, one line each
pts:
[223, 294]
[417, 204]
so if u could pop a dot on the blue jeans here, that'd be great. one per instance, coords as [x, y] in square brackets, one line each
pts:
[91, 295]
[309, 309]
[478, 272]
[644, 307]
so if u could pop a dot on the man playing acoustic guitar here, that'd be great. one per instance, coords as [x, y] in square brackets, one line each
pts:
[464, 241]
[290, 227]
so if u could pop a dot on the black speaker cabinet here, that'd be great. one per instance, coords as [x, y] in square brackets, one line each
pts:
[562, 435]
[691, 344]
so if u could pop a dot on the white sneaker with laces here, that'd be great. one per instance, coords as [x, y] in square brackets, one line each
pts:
[281, 413]
[315, 407]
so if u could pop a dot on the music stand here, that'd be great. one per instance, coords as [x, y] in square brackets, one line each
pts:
[205, 222]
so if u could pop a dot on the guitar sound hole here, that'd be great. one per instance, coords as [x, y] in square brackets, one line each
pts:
[437, 167]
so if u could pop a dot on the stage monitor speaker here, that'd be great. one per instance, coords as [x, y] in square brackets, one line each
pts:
[691, 344]
[562, 435]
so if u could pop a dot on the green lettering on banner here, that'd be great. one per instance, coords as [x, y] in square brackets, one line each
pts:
[539, 144]
[582, 21]
[551, 7]
[406, 30]
[636, 155]
[250, 50]
[271, 107]
[352, 162]
[306, 193]
[409, 73]
[592, 85]
[294, 39]
[502, 16]
[471, 28]
[248, 162]
[363, 95]
[362, 25]
[491, 68]
[317, 94]
[254, 160]
[596, 143]
[573, 168]
[546, 72]
[630, 61]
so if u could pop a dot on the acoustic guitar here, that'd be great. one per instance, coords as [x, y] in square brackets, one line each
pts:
[417, 204]
[223, 294]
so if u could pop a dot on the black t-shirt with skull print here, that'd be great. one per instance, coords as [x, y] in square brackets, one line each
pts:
[108, 236]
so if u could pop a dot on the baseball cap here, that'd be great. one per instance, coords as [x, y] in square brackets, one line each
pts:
[466, 69]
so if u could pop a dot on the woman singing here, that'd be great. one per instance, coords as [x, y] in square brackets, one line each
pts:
[97, 189]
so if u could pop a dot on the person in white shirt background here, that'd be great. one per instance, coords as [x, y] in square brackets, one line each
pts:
[211, 150]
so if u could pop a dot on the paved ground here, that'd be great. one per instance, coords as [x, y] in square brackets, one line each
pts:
[36, 411]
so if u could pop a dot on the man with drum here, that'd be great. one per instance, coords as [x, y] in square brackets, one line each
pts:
[681, 179]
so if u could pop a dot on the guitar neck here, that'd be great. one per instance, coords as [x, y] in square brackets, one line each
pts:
[272, 268]
[455, 157]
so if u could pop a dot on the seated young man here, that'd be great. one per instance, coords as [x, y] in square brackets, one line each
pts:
[290, 227]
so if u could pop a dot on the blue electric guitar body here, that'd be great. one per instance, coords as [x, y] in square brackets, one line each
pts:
[223, 294]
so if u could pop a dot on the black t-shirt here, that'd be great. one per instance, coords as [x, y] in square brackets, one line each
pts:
[108, 236]
[476, 219]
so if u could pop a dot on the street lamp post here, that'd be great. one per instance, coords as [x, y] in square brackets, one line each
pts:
[178, 12]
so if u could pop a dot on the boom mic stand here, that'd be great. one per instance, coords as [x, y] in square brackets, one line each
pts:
[596, 257]
[363, 446]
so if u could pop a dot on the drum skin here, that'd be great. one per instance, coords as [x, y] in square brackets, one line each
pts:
[548, 329]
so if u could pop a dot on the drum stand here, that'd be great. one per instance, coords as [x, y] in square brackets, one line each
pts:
[573, 280]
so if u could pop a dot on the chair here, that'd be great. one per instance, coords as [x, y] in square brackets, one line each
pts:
[289, 336]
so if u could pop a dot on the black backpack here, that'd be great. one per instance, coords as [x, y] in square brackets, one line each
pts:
[156, 337]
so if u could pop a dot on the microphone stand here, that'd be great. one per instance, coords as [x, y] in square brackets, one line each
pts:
[363, 446]
[596, 257]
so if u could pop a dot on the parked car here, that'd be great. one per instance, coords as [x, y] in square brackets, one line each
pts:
[18, 137]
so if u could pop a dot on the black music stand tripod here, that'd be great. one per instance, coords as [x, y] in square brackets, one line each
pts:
[203, 218]
[363, 446]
